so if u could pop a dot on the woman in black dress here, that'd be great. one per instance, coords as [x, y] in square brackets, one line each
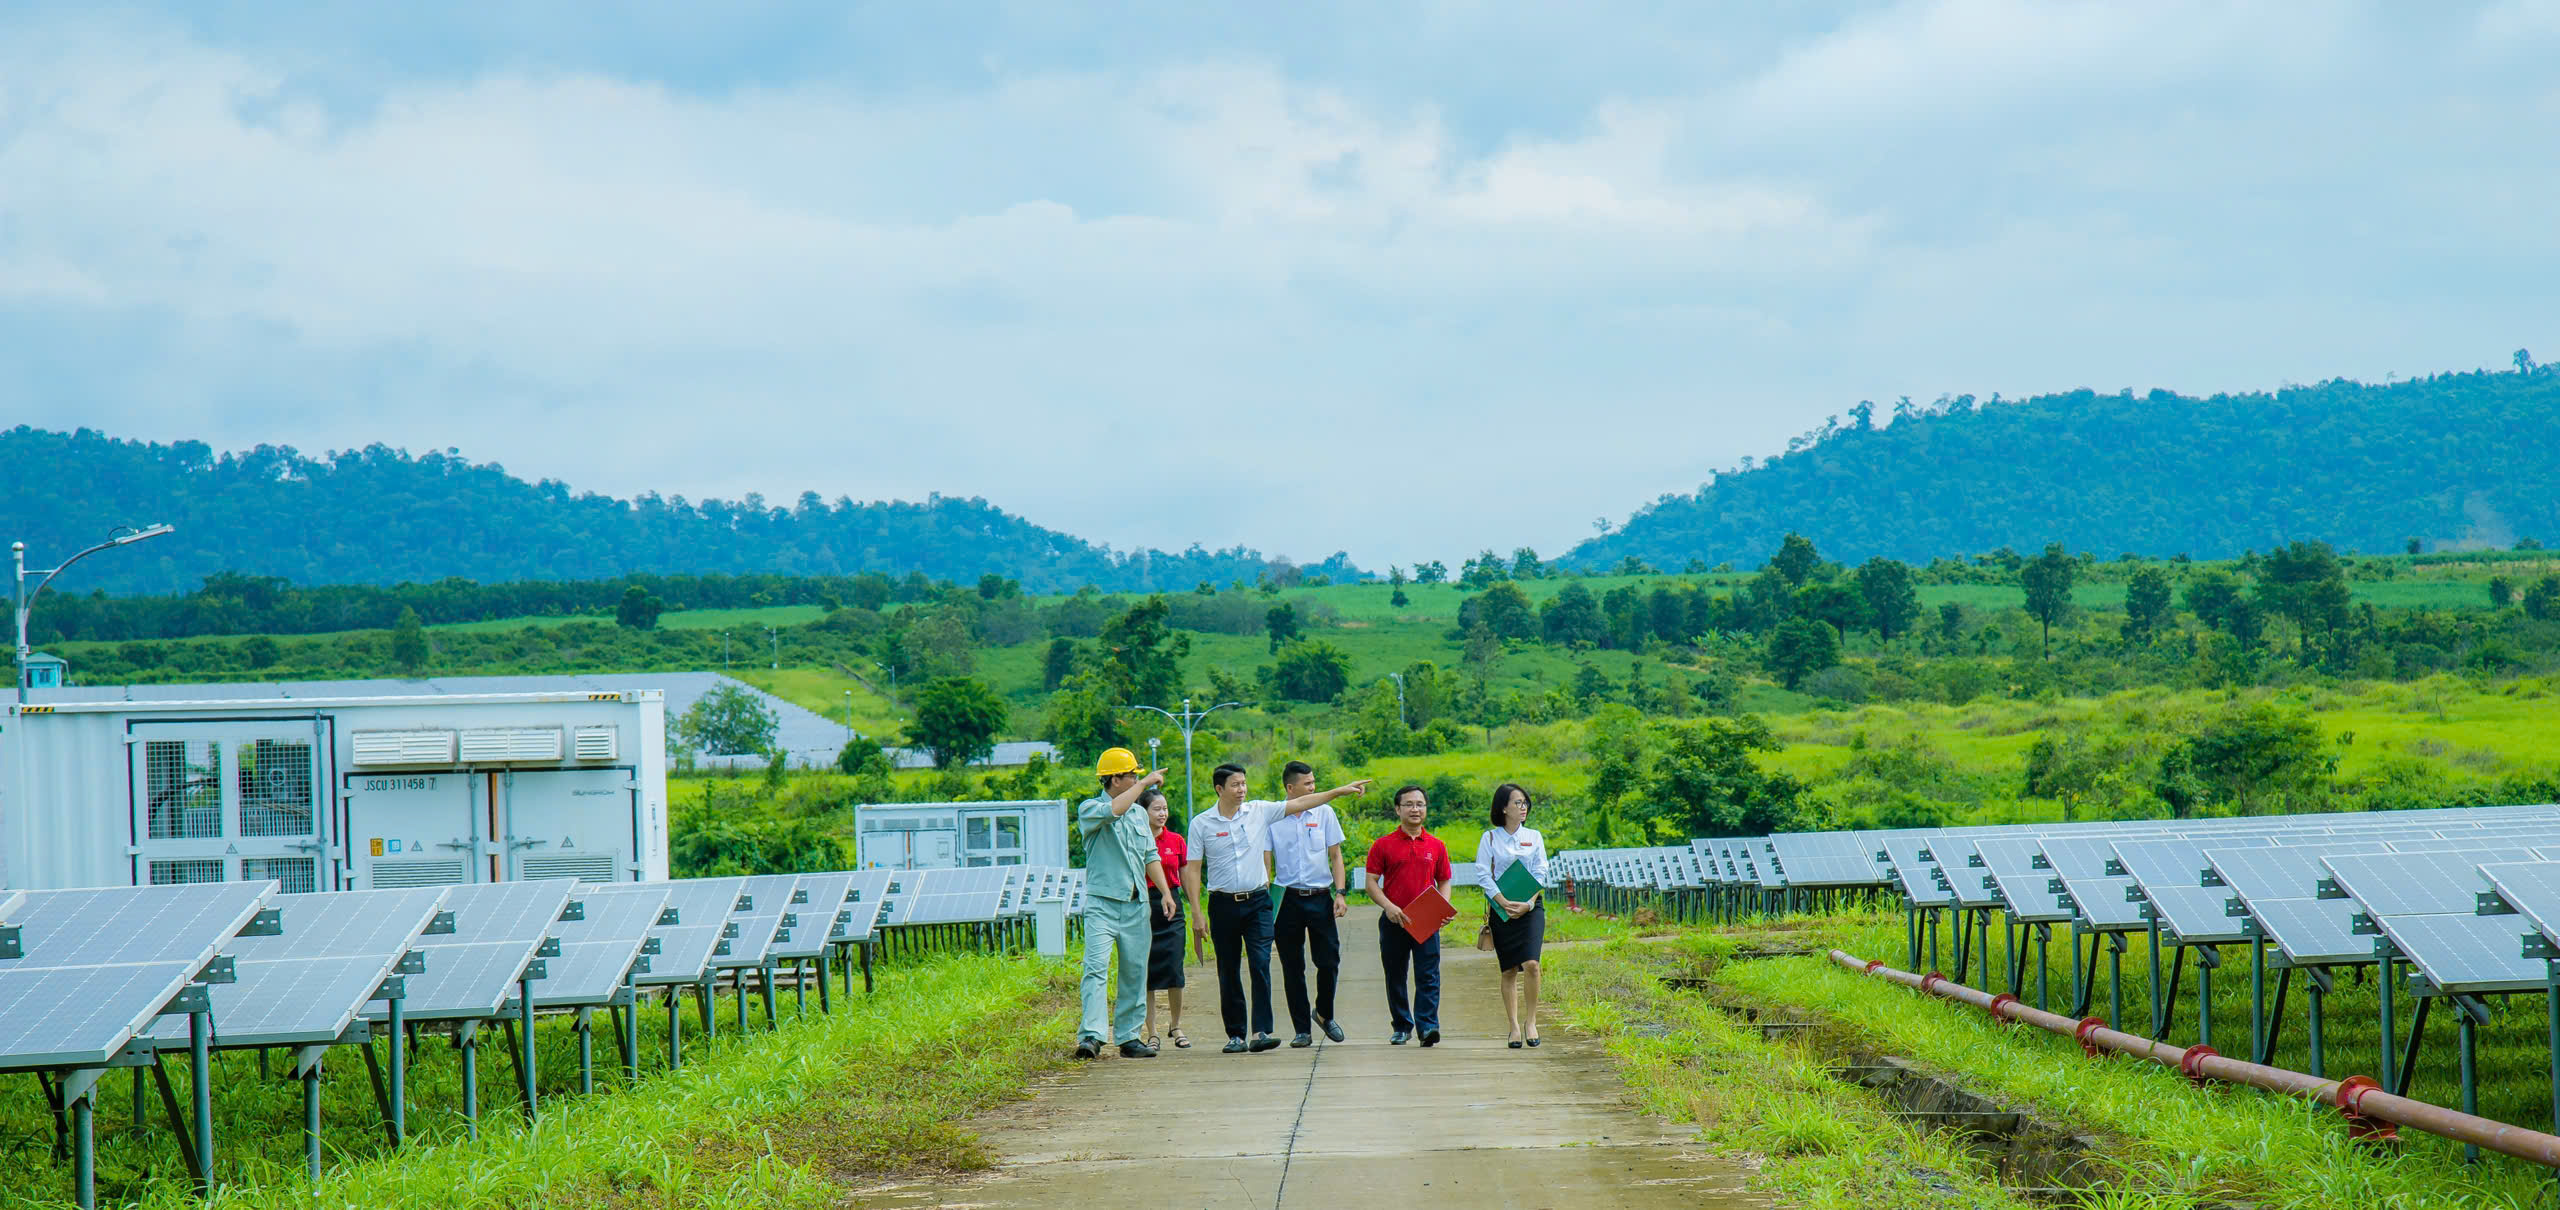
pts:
[1519, 927]
[1164, 955]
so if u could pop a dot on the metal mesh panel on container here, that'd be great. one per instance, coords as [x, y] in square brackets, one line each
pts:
[182, 784]
[202, 869]
[300, 875]
[429, 872]
[585, 867]
[275, 788]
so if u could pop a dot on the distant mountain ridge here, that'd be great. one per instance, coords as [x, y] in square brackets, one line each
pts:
[381, 516]
[2463, 459]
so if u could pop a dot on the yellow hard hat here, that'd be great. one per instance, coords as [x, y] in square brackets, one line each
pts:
[1115, 761]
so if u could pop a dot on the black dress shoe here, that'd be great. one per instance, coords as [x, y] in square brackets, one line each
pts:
[1135, 1049]
[1431, 1037]
[1515, 1044]
[1397, 1038]
[1302, 1041]
[1533, 1041]
[1263, 1042]
[1234, 1046]
[1332, 1029]
[1087, 1048]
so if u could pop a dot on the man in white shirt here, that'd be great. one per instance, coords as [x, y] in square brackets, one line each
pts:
[1229, 867]
[1306, 862]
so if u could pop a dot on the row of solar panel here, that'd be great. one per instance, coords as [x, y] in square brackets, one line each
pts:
[86, 975]
[2469, 897]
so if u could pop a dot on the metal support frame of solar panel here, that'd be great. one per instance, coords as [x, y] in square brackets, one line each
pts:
[2427, 905]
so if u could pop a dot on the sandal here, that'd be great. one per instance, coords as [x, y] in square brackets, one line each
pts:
[1152, 1041]
[1179, 1041]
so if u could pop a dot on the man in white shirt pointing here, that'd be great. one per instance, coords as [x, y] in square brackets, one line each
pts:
[1306, 862]
[1229, 868]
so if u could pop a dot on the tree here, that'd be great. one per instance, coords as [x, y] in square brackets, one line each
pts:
[638, 609]
[409, 641]
[1506, 611]
[1057, 663]
[1796, 560]
[1893, 604]
[1483, 651]
[1395, 581]
[1311, 670]
[1572, 616]
[2146, 604]
[862, 756]
[2502, 592]
[937, 647]
[1800, 647]
[1950, 621]
[1836, 605]
[1082, 721]
[1525, 565]
[1142, 654]
[1281, 623]
[260, 651]
[731, 720]
[2251, 759]
[2048, 584]
[2305, 582]
[2542, 600]
[957, 718]
[1433, 572]
[1703, 782]
[1426, 694]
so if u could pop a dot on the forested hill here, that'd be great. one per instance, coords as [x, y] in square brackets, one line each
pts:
[2456, 459]
[380, 516]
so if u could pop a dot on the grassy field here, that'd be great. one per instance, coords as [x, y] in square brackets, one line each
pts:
[747, 625]
[781, 1118]
[2172, 1144]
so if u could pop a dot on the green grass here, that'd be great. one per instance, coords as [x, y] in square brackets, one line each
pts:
[781, 1118]
[748, 624]
[2220, 1143]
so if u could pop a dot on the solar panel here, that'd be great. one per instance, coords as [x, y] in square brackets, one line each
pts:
[705, 908]
[2175, 862]
[2315, 932]
[2281, 871]
[2417, 884]
[2197, 915]
[2463, 952]
[2532, 888]
[862, 912]
[956, 896]
[62, 1005]
[305, 985]
[472, 971]
[769, 898]
[820, 917]
[597, 952]
[2106, 903]
[2030, 897]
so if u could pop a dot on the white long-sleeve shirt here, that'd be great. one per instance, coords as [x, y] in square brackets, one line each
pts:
[1503, 846]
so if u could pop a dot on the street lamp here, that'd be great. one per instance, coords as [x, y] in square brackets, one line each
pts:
[1188, 721]
[26, 601]
[848, 714]
[1398, 678]
[776, 636]
[724, 651]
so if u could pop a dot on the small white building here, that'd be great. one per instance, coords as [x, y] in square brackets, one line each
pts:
[341, 785]
[948, 835]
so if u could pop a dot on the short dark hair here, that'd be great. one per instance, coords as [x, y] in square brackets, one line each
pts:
[1408, 788]
[1296, 768]
[1218, 776]
[1502, 793]
[1150, 795]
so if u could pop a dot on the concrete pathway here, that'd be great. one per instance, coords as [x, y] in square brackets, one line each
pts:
[1468, 1123]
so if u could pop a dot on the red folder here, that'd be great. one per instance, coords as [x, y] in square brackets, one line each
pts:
[1428, 911]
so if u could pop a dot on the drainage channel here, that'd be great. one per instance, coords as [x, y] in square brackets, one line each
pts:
[2032, 1157]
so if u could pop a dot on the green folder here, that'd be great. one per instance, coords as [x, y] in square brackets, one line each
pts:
[1517, 884]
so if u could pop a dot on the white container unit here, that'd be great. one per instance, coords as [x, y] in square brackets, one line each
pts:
[957, 835]
[353, 792]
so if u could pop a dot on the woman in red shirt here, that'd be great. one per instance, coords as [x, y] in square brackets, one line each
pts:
[1164, 959]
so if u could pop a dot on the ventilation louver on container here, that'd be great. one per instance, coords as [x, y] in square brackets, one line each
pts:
[511, 745]
[598, 743]
[404, 747]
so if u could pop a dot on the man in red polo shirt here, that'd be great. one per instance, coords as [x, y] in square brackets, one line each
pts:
[1402, 864]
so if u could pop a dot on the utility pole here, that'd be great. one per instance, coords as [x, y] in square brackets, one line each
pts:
[1188, 720]
[122, 535]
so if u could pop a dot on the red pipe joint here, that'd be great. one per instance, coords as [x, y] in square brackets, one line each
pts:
[2191, 1063]
[1995, 1009]
[1875, 966]
[2361, 1127]
[1929, 982]
[2089, 1045]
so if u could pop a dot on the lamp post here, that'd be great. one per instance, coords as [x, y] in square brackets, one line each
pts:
[724, 651]
[1188, 721]
[848, 714]
[1398, 678]
[776, 636]
[26, 600]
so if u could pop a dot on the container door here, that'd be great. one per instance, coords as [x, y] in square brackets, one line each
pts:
[991, 837]
[221, 802]
[571, 823]
[885, 851]
[415, 829]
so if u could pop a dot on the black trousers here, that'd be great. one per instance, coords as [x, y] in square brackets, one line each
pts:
[1240, 930]
[1396, 950]
[1306, 922]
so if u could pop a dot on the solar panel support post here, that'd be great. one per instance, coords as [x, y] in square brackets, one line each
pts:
[2266, 1051]
[2166, 1005]
[2315, 985]
[710, 1019]
[2044, 960]
[767, 977]
[84, 1153]
[2551, 1015]
[675, 1028]
[177, 1124]
[2417, 1034]
[586, 1030]
[2159, 1023]
[311, 1119]
[800, 986]
[2115, 980]
[200, 1090]
[866, 970]
[2258, 1044]
[140, 1123]
[738, 985]
[627, 1032]
[524, 1016]
[2383, 958]
[466, 1038]
[398, 1040]
[2207, 958]
[824, 1006]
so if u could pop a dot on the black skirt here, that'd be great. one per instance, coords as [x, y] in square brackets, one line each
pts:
[1519, 939]
[1164, 954]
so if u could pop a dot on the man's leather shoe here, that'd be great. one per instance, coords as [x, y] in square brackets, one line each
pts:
[1397, 1039]
[1263, 1042]
[1302, 1041]
[1135, 1049]
[1431, 1037]
[1332, 1030]
[1087, 1048]
[1234, 1046]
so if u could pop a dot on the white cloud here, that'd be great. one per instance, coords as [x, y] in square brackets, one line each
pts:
[1319, 312]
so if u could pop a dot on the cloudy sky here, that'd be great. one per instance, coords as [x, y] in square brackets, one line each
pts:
[1402, 279]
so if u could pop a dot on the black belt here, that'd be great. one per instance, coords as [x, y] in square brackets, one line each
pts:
[1238, 896]
[1311, 890]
